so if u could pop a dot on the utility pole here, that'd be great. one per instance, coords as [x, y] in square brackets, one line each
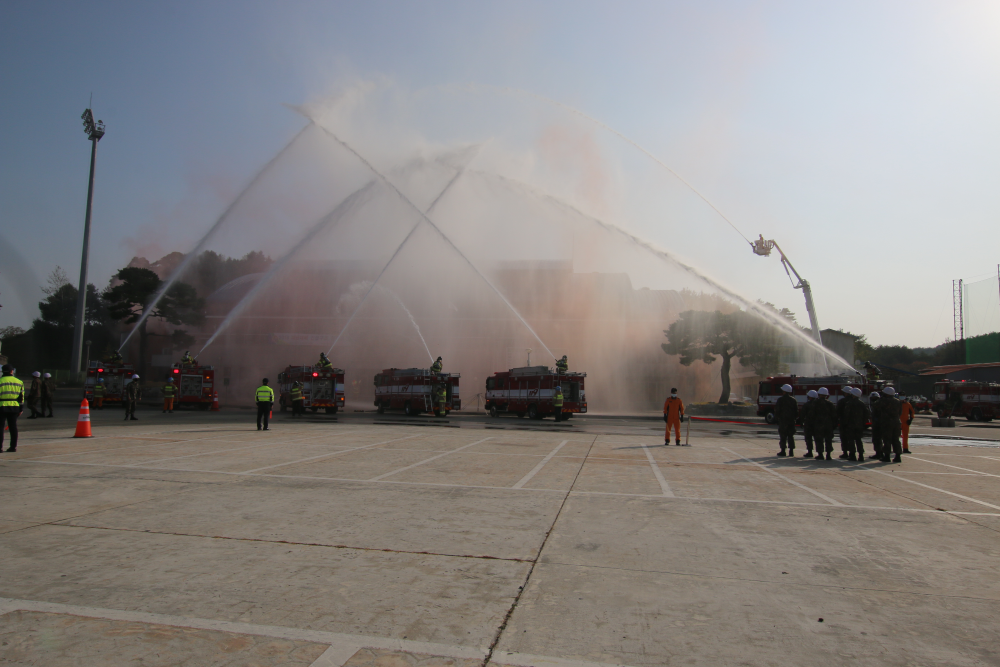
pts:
[94, 132]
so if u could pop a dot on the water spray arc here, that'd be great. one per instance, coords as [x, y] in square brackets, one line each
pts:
[663, 255]
[351, 203]
[391, 258]
[413, 321]
[444, 236]
[189, 257]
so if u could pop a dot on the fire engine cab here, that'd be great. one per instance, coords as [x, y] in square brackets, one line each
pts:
[413, 391]
[321, 388]
[114, 376]
[529, 391]
[769, 390]
[195, 385]
[976, 401]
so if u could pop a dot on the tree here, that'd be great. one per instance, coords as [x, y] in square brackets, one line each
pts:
[703, 335]
[127, 300]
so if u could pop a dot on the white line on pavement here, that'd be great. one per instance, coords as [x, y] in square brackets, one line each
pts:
[790, 481]
[659, 475]
[328, 455]
[934, 488]
[420, 463]
[541, 464]
[978, 472]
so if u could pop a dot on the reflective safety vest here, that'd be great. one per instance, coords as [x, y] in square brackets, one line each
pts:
[99, 391]
[562, 366]
[442, 396]
[169, 390]
[11, 392]
[296, 393]
[436, 367]
[557, 401]
[325, 363]
[265, 394]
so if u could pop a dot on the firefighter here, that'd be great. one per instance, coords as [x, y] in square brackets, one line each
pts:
[673, 414]
[324, 363]
[890, 410]
[131, 395]
[824, 419]
[11, 404]
[441, 400]
[905, 419]
[876, 420]
[264, 396]
[115, 357]
[807, 419]
[786, 409]
[872, 371]
[187, 359]
[562, 365]
[48, 393]
[856, 415]
[297, 401]
[557, 404]
[34, 393]
[169, 391]
[436, 366]
[845, 445]
[99, 394]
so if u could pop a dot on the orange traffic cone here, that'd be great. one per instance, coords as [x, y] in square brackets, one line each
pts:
[83, 421]
[215, 402]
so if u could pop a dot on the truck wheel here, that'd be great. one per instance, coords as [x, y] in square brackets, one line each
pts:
[333, 410]
[330, 411]
[533, 412]
[315, 410]
[770, 418]
[407, 410]
[520, 415]
[976, 415]
[380, 409]
[494, 412]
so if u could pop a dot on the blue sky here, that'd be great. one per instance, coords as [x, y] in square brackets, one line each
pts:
[861, 135]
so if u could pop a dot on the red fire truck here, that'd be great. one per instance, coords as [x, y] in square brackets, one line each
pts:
[321, 388]
[195, 385]
[529, 391]
[769, 390]
[412, 390]
[976, 401]
[113, 375]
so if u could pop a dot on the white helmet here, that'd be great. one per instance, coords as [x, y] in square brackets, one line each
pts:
[856, 391]
[47, 375]
[823, 391]
[848, 389]
[889, 391]
[786, 387]
[135, 377]
[36, 374]
[811, 393]
[875, 395]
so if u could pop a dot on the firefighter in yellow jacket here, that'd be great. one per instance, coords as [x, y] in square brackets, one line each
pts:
[264, 397]
[11, 405]
[673, 413]
[169, 391]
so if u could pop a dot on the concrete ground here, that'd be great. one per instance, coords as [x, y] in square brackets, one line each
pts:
[377, 540]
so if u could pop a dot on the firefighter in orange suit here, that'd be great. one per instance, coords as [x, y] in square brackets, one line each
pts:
[673, 412]
[905, 419]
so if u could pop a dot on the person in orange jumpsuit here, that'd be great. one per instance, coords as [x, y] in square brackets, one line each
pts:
[673, 412]
[905, 419]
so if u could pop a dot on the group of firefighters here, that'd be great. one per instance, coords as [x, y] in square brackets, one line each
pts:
[890, 420]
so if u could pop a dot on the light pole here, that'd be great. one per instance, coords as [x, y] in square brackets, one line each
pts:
[94, 132]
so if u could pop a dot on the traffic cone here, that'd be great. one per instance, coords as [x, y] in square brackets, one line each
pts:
[215, 402]
[83, 421]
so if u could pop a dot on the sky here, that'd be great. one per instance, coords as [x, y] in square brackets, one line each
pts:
[862, 136]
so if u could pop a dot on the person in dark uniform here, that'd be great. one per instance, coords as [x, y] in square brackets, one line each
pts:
[873, 399]
[846, 444]
[131, 396]
[889, 408]
[437, 366]
[562, 365]
[824, 420]
[48, 393]
[807, 419]
[856, 415]
[265, 399]
[786, 410]
[324, 363]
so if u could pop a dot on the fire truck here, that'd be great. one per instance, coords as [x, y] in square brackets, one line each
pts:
[976, 401]
[195, 385]
[114, 376]
[529, 391]
[321, 388]
[412, 390]
[769, 390]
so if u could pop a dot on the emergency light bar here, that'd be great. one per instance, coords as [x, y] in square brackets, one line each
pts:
[315, 375]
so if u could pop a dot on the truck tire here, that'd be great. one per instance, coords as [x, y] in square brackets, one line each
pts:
[976, 415]
[770, 418]
[520, 415]
[380, 408]
[333, 410]
[408, 411]
[494, 412]
[533, 412]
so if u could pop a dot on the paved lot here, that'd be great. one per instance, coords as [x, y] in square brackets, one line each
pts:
[193, 539]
